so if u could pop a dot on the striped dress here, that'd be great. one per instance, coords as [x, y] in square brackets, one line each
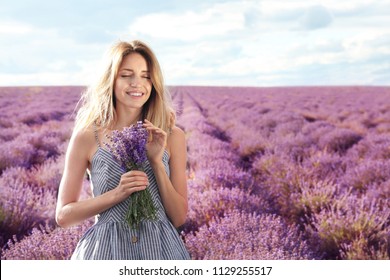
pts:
[111, 238]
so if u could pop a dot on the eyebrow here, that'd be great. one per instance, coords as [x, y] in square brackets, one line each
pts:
[131, 70]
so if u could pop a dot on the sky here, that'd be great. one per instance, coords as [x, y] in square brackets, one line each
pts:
[211, 43]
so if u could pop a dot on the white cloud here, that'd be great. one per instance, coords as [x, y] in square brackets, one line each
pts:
[371, 8]
[259, 42]
[42, 56]
[218, 20]
[14, 28]
[316, 17]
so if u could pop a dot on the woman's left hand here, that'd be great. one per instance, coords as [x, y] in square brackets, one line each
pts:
[157, 142]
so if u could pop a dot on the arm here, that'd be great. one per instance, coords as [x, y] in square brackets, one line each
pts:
[173, 189]
[69, 209]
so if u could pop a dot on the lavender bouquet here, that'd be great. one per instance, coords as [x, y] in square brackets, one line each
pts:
[129, 150]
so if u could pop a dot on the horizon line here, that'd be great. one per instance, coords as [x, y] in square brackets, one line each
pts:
[223, 86]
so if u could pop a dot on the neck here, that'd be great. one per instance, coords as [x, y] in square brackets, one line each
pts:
[127, 118]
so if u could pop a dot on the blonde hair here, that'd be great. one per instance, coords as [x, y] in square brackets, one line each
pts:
[97, 103]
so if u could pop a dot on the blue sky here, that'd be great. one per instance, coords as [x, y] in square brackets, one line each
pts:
[227, 43]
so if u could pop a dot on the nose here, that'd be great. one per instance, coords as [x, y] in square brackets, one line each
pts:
[135, 81]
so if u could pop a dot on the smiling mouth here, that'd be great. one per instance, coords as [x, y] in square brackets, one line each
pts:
[135, 94]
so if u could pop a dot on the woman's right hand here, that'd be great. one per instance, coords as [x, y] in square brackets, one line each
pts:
[130, 182]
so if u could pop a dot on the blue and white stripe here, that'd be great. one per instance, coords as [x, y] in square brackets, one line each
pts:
[111, 238]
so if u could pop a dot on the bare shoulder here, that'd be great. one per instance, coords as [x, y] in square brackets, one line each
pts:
[83, 136]
[176, 140]
[177, 134]
[83, 141]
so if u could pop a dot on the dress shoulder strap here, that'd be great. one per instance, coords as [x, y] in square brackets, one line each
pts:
[96, 134]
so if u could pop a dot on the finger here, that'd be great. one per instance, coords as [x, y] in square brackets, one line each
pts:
[156, 133]
[135, 173]
[128, 180]
[156, 130]
[162, 132]
[130, 177]
[137, 180]
[147, 123]
[161, 135]
[136, 189]
[151, 128]
[135, 184]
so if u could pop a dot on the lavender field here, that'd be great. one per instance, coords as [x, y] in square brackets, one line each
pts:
[273, 173]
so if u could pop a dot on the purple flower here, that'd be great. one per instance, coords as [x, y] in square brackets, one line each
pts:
[129, 149]
[129, 146]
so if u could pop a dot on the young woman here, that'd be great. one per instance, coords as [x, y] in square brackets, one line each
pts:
[131, 89]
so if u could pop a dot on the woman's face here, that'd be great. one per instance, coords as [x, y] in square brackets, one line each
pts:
[133, 85]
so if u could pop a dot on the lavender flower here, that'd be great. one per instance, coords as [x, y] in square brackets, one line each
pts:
[248, 236]
[317, 157]
[129, 149]
[46, 243]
